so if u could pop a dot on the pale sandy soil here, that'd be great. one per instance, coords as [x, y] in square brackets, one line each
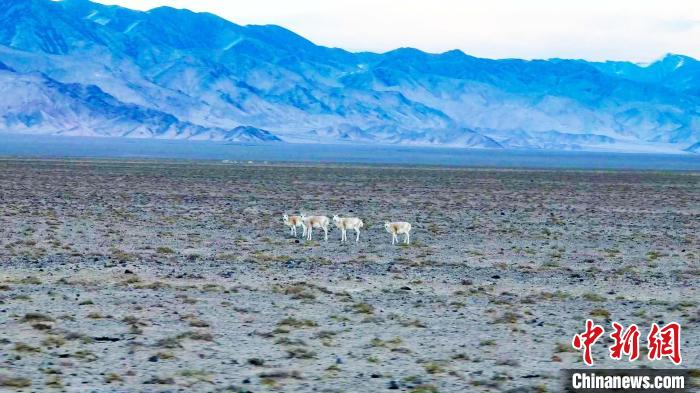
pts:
[142, 277]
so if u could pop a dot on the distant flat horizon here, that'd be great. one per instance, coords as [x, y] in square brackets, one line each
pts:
[16, 146]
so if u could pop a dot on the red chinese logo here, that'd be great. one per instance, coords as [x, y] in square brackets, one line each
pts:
[665, 342]
[585, 340]
[626, 342]
[662, 342]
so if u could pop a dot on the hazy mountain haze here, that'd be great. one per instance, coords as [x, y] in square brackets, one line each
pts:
[598, 30]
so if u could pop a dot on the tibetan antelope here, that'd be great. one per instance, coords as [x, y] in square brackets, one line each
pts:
[312, 222]
[345, 223]
[293, 222]
[398, 228]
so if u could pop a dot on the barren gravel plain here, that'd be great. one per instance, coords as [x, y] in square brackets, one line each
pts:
[154, 276]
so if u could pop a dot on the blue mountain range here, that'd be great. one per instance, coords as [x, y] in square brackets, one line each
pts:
[74, 67]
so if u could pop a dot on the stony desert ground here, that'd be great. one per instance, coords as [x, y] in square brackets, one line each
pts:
[179, 276]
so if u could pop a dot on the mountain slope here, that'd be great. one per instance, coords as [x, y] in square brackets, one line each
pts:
[676, 72]
[210, 73]
[34, 103]
[694, 148]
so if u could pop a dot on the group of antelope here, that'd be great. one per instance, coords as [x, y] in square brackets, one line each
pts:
[308, 223]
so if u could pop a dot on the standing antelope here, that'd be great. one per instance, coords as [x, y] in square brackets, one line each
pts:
[293, 222]
[312, 222]
[397, 228]
[348, 223]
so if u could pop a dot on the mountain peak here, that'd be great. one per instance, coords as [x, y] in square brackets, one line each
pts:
[672, 56]
[167, 10]
[406, 53]
[454, 53]
[672, 61]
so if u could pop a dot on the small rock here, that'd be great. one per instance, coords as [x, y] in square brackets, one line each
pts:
[160, 381]
[393, 385]
[106, 339]
[256, 362]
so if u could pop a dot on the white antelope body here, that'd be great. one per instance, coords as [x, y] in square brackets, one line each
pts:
[345, 223]
[398, 228]
[293, 222]
[312, 222]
